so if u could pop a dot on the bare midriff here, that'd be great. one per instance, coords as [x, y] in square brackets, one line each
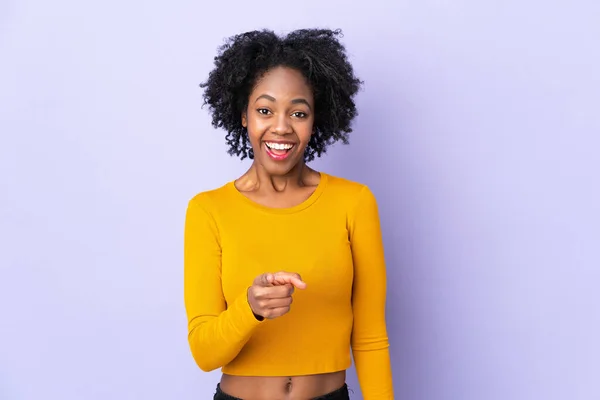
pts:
[282, 387]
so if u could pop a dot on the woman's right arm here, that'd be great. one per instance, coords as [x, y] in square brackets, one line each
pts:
[216, 331]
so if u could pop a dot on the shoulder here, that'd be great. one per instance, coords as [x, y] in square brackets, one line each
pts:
[358, 202]
[347, 189]
[212, 198]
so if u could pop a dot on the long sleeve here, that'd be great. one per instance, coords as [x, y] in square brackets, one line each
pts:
[216, 331]
[369, 335]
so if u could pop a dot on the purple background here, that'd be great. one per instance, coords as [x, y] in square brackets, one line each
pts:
[478, 132]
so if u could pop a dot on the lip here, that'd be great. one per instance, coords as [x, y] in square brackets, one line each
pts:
[278, 157]
[280, 141]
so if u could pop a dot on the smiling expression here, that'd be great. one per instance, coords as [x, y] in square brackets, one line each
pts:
[279, 119]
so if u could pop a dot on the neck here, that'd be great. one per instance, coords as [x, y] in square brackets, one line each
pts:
[278, 183]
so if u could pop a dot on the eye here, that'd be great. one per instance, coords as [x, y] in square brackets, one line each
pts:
[263, 111]
[299, 114]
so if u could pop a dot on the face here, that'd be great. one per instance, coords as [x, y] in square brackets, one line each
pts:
[279, 120]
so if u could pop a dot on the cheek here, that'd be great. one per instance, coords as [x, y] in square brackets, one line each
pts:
[304, 128]
[305, 131]
[255, 129]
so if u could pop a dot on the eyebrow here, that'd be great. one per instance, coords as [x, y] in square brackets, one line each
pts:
[294, 101]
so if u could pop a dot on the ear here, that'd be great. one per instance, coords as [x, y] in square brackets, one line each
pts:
[244, 119]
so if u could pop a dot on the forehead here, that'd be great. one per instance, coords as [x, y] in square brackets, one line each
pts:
[282, 82]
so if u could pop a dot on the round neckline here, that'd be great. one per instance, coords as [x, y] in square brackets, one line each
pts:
[287, 210]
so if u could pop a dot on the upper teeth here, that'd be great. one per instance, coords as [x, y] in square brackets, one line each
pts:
[279, 146]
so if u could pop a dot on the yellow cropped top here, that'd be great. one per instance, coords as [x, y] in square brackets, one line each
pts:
[333, 240]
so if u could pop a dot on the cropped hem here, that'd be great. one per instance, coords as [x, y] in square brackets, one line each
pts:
[296, 370]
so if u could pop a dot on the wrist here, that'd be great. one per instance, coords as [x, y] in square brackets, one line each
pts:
[257, 316]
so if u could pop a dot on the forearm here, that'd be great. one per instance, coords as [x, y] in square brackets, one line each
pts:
[217, 340]
[374, 372]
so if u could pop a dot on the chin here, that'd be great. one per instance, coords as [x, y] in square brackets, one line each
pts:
[279, 168]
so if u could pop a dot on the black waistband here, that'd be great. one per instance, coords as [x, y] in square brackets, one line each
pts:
[339, 394]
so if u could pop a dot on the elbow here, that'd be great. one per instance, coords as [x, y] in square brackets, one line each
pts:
[206, 361]
[370, 344]
[370, 335]
[206, 365]
[206, 358]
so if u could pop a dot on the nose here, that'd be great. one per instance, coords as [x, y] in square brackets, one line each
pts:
[282, 125]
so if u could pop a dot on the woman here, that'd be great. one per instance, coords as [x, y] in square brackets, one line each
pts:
[284, 232]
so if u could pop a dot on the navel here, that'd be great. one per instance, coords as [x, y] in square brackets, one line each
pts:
[288, 385]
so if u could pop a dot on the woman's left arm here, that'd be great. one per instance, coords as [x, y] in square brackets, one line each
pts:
[369, 334]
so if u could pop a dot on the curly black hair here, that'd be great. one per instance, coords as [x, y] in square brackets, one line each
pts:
[316, 53]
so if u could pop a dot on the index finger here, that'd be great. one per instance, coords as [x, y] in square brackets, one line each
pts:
[282, 278]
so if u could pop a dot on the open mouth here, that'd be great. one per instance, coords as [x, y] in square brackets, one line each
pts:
[278, 150]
